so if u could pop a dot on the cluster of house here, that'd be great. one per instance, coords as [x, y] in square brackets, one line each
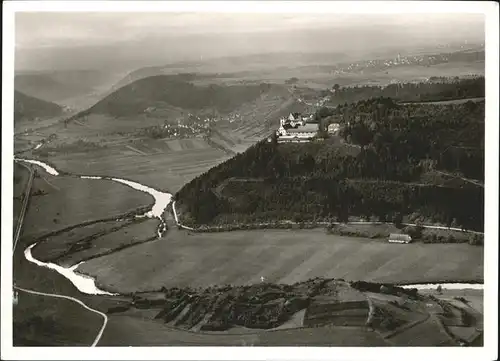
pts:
[298, 128]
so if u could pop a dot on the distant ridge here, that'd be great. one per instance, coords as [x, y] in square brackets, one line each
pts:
[170, 90]
[28, 107]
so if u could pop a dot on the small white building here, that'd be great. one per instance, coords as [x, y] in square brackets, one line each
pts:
[399, 238]
[333, 128]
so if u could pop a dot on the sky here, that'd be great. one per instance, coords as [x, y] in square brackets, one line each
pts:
[51, 37]
[52, 29]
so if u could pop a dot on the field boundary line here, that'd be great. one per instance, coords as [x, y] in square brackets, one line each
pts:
[50, 184]
[407, 326]
[135, 150]
[27, 194]
[105, 317]
[253, 333]
[79, 123]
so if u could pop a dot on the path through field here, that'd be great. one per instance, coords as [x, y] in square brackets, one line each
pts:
[24, 206]
[85, 284]
[105, 318]
[244, 257]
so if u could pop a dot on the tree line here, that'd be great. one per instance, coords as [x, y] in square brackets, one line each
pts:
[413, 92]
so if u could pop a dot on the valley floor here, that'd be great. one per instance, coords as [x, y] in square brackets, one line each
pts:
[281, 256]
[182, 258]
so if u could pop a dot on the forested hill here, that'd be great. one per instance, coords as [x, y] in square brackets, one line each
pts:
[390, 163]
[157, 91]
[27, 107]
[436, 89]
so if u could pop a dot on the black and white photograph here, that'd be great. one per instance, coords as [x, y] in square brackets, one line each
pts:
[260, 175]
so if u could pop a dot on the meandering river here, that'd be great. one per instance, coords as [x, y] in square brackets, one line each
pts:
[83, 283]
[446, 286]
[87, 285]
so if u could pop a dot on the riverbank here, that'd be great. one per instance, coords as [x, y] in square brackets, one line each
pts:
[197, 259]
[85, 284]
[363, 229]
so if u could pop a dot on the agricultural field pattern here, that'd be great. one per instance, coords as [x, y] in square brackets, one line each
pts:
[162, 208]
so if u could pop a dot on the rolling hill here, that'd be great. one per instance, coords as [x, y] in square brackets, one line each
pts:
[27, 107]
[319, 311]
[62, 87]
[174, 91]
[375, 169]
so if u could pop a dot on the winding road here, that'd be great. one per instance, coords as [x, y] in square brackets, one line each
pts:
[16, 238]
[162, 199]
[27, 193]
[99, 335]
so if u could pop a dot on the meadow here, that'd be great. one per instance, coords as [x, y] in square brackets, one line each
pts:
[21, 178]
[165, 165]
[141, 332]
[323, 76]
[429, 332]
[184, 259]
[60, 201]
[281, 256]
[92, 148]
[82, 243]
[44, 321]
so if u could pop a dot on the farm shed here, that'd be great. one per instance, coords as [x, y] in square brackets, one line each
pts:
[399, 238]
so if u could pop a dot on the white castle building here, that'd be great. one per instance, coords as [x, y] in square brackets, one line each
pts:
[295, 128]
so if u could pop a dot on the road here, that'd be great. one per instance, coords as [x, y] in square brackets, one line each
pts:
[473, 181]
[99, 335]
[177, 220]
[24, 206]
[16, 238]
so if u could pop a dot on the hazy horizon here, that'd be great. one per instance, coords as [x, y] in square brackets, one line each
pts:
[47, 40]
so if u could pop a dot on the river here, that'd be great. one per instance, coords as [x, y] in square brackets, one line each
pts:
[83, 283]
[87, 285]
[446, 286]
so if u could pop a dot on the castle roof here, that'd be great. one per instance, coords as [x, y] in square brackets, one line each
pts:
[307, 128]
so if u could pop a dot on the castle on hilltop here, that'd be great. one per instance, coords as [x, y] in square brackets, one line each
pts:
[295, 128]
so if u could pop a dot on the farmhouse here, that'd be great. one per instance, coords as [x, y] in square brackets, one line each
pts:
[399, 238]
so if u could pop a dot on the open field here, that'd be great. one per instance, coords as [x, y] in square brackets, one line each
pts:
[474, 298]
[410, 73]
[322, 336]
[183, 259]
[78, 244]
[323, 76]
[21, 178]
[160, 163]
[281, 256]
[59, 202]
[427, 333]
[140, 332]
[47, 321]
[165, 164]
[67, 323]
